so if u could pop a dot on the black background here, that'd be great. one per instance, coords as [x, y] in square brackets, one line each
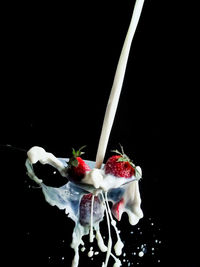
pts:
[59, 62]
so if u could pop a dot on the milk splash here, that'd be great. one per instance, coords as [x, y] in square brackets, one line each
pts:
[124, 196]
[68, 198]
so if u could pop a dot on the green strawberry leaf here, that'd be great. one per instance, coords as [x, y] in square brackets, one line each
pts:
[73, 162]
[73, 152]
[78, 152]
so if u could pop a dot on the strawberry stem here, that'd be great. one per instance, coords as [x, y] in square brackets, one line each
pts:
[79, 152]
[122, 154]
[73, 160]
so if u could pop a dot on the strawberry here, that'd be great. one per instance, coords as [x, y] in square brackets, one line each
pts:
[85, 209]
[120, 165]
[117, 209]
[77, 167]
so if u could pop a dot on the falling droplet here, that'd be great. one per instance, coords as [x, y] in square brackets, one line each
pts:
[83, 249]
[141, 254]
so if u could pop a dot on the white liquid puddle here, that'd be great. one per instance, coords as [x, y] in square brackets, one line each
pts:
[100, 180]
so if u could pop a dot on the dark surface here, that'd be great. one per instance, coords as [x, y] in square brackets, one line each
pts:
[59, 67]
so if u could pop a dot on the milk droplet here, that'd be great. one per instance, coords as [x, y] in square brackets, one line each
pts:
[90, 253]
[83, 249]
[117, 263]
[141, 254]
[118, 247]
[113, 222]
[144, 249]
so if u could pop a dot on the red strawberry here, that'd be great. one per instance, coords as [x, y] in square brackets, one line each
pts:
[120, 165]
[85, 209]
[117, 209]
[77, 167]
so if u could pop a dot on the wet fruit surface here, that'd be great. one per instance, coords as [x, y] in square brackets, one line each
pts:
[85, 209]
